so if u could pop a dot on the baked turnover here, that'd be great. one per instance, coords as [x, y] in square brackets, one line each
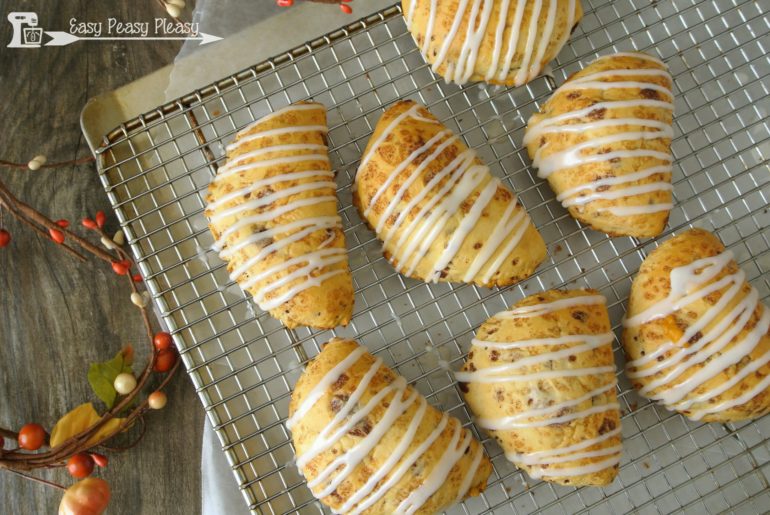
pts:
[272, 209]
[696, 334]
[540, 379]
[440, 213]
[505, 42]
[603, 143]
[369, 443]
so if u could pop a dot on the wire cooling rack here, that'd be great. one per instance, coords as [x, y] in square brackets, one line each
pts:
[156, 169]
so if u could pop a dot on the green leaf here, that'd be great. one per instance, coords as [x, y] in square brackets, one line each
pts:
[101, 377]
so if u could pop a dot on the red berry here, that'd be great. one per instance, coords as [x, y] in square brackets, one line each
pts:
[119, 268]
[31, 437]
[63, 223]
[137, 278]
[80, 465]
[162, 341]
[126, 263]
[5, 238]
[346, 8]
[56, 235]
[284, 3]
[165, 360]
[101, 218]
[100, 459]
[88, 223]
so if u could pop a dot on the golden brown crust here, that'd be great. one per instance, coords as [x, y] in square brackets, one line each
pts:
[511, 398]
[411, 194]
[325, 305]
[492, 63]
[651, 286]
[333, 400]
[544, 146]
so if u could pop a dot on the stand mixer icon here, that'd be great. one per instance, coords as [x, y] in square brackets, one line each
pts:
[26, 33]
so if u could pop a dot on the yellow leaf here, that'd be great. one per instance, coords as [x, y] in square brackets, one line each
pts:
[79, 420]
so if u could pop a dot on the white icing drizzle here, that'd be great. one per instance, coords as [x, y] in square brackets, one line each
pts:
[401, 167]
[470, 377]
[514, 421]
[305, 226]
[511, 226]
[461, 178]
[391, 462]
[624, 129]
[270, 215]
[537, 457]
[350, 413]
[536, 310]
[479, 14]
[596, 340]
[356, 454]
[540, 471]
[257, 198]
[274, 132]
[467, 481]
[268, 181]
[715, 349]
[323, 441]
[404, 467]
[266, 200]
[326, 381]
[491, 374]
[467, 224]
[453, 453]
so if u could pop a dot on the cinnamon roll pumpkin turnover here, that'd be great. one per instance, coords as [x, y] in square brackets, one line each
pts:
[540, 379]
[440, 213]
[272, 209]
[367, 442]
[696, 334]
[505, 42]
[603, 142]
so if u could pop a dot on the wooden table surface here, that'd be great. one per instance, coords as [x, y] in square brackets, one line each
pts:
[58, 315]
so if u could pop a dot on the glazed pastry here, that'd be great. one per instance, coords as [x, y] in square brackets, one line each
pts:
[603, 142]
[439, 212]
[505, 42]
[272, 209]
[696, 334]
[540, 379]
[369, 443]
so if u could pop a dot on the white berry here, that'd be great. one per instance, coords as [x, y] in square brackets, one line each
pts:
[124, 383]
[108, 243]
[173, 10]
[157, 400]
[119, 239]
[139, 300]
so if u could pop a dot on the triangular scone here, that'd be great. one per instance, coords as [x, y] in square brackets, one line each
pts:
[603, 142]
[696, 335]
[497, 41]
[540, 379]
[439, 212]
[273, 212]
[367, 442]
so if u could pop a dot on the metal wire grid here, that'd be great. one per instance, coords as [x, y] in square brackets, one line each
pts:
[243, 363]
